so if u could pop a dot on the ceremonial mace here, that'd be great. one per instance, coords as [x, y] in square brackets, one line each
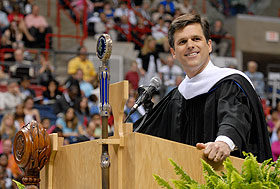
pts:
[103, 52]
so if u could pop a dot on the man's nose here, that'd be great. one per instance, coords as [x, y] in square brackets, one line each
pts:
[190, 44]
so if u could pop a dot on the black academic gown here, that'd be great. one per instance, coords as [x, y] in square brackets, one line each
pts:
[230, 108]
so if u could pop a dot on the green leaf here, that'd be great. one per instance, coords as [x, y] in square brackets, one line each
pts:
[251, 170]
[19, 185]
[180, 171]
[179, 184]
[163, 183]
[208, 169]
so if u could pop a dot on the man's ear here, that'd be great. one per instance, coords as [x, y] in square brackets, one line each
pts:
[173, 52]
[209, 45]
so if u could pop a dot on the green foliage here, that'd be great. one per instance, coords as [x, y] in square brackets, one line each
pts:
[19, 185]
[252, 176]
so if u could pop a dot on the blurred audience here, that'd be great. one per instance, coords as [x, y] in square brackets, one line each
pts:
[219, 45]
[89, 134]
[256, 77]
[275, 146]
[21, 67]
[169, 72]
[68, 99]
[132, 75]
[24, 87]
[148, 61]
[70, 125]
[8, 128]
[10, 99]
[46, 71]
[5, 173]
[82, 62]
[38, 27]
[51, 93]
[30, 112]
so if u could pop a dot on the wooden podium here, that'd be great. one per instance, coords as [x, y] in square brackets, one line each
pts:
[134, 157]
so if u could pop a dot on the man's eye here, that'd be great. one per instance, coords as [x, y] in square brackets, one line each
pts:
[182, 42]
[196, 39]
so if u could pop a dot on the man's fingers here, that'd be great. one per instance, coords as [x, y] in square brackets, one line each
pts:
[200, 146]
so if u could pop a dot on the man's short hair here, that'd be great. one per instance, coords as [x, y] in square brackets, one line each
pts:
[185, 20]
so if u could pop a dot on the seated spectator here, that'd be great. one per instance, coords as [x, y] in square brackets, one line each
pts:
[78, 6]
[8, 129]
[256, 77]
[16, 14]
[46, 123]
[97, 121]
[19, 117]
[38, 27]
[160, 13]
[275, 146]
[6, 172]
[82, 62]
[142, 30]
[28, 7]
[186, 7]
[93, 104]
[12, 165]
[108, 10]
[148, 61]
[30, 112]
[3, 76]
[10, 99]
[169, 72]
[8, 56]
[219, 44]
[51, 93]
[159, 32]
[103, 24]
[168, 6]
[21, 67]
[132, 75]
[46, 71]
[24, 87]
[4, 22]
[70, 125]
[85, 87]
[89, 134]
[68, 99]
[123, 11]
[136, 115]
[274, 122]
[82, 112]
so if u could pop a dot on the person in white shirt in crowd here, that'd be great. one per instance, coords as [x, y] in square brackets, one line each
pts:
[169, 73]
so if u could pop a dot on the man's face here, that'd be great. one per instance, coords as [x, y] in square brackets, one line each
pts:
[13, 88]
[83, 54]
[191, 49]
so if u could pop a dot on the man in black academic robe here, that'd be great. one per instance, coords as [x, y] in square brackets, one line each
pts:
[215, 109]
[232, 102]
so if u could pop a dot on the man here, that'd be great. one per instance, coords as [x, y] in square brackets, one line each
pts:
[69, 99]
[219, 45]
[81, 62]
[10, 99]
[21, 67]
[215, 109]
[169, 73]
[89, 135]
[38, 27]
[256, 77]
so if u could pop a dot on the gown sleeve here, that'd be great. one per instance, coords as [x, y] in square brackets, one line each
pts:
[234, 113]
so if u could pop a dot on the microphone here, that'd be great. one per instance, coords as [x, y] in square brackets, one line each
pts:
[146, 94]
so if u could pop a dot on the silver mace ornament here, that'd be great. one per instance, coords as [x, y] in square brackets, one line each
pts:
[103, 52]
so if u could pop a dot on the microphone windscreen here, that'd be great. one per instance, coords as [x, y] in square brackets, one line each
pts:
[156, 82]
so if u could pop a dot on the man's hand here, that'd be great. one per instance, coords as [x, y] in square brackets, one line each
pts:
[215, 151]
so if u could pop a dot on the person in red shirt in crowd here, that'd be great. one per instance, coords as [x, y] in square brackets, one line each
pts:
[132, 76]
